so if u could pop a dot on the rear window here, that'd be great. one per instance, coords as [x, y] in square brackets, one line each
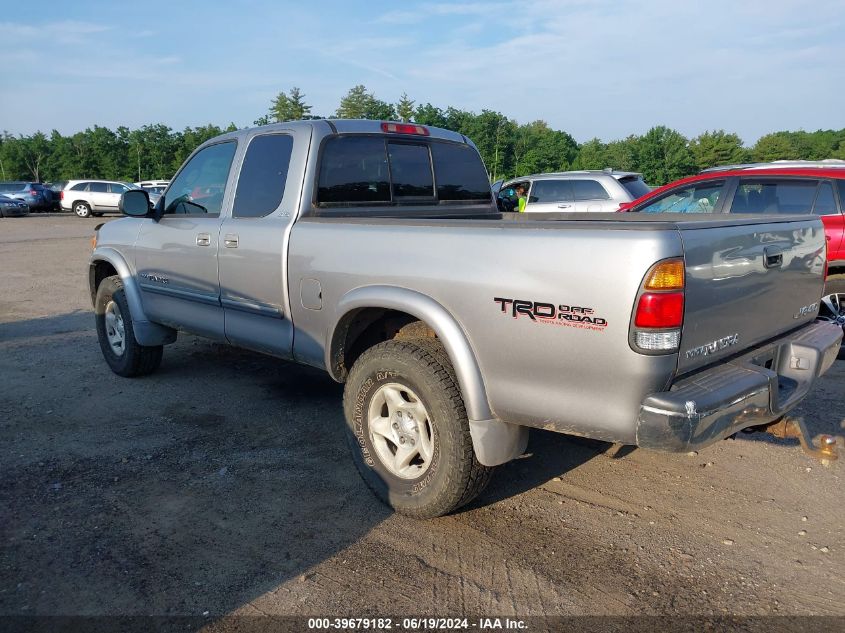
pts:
[79, 186]
[361, 170]
[460, 173]
[825, 200]
[774, 196]
[635, 186]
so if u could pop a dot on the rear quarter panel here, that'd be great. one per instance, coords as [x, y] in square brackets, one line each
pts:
[544, 373]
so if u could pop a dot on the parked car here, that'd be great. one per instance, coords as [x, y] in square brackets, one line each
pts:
[577, 191]
[782, 187]
[12, 207]
[93, 197]
[153, 185]
[36, 195]
[375, 251]
[56, 193]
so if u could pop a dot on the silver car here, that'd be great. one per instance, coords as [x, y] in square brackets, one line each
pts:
[567, 191]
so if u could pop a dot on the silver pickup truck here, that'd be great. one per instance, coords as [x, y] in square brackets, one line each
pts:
[375, 251]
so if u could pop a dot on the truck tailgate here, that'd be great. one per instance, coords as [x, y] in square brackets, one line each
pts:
[748, 283]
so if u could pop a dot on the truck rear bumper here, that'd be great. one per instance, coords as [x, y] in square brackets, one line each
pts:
[755, 388]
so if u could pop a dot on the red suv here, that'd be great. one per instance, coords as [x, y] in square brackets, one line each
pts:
[780, 187]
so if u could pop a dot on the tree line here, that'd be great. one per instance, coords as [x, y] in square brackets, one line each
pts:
[508, 148]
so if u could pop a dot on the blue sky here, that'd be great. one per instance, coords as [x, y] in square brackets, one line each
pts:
[592, 68]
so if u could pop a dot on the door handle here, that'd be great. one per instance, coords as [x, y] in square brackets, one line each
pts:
[203, 239]
[563, 206]
[230, 241]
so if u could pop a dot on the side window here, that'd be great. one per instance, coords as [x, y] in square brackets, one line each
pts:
[410, 171]
[98, 187]
[198, 188]
[825, 200]
[80, 186]
[774, 196]
[115, 187]
[353, 169]
[551, 191]
[261, 184]
[589, 190]
[695, 198]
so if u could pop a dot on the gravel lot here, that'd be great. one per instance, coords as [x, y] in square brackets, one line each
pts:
[222, 484]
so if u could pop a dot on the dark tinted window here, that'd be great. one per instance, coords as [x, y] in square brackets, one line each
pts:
[459, 173]
[825, 200]
[774, 196]
[353, 169]
[635, 186]
[588, 190]
[79, 186]
[98, 187]
[551, 191]
[700, 197]
[410, 171]
[116, 187]
[199, 187]
[261, 184]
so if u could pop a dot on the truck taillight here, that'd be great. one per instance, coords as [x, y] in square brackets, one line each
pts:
[659, 313]
[62, 194]
[404, 128]
[33, 192]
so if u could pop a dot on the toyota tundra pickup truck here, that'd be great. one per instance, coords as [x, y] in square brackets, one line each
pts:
[375, 251]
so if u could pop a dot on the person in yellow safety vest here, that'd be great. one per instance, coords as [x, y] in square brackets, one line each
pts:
[522, 199]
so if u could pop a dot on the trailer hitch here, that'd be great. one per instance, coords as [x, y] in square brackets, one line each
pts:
[788, 427]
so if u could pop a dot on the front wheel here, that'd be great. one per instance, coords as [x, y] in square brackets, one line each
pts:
[124, 355]
[408, 429]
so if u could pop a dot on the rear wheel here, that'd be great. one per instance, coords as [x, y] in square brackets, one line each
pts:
[832, 308]
[124, 355]
[82, 209]
[408, 429]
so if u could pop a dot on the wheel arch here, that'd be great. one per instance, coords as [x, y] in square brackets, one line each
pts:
[362, 307]
[106, 262]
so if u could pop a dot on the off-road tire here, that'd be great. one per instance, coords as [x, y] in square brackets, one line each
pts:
[835, 284]
[455, 476]
[136, 359]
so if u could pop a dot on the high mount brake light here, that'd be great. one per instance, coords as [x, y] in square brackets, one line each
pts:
[659, 312]
[404, 128]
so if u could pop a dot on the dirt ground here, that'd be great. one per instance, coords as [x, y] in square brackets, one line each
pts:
[222, 485]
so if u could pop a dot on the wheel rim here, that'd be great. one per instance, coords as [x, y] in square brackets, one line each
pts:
[832, 309]
[115, 332]
[401, 431]
[81, 210]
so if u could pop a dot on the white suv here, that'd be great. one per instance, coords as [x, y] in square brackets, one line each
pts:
[566, 191]
[93, 197]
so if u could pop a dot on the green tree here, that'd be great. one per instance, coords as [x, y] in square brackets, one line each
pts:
[360, 104]
[405, 108]
[711, 149]
[776, 146]
[290, 107]
[622, 155]
[430, 115]
[664, 155]
[590, 155]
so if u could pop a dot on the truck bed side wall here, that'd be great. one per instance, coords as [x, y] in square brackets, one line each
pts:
[579, 377]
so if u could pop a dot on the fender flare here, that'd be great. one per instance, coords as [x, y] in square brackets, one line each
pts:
[439, 319]
[146, 332]
[494, 441]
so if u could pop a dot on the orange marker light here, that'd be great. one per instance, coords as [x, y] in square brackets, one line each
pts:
[668, 275]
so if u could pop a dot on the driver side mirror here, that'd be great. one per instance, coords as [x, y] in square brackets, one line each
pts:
[135, 203]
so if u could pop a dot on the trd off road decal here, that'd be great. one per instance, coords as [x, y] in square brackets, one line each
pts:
[548, 313]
